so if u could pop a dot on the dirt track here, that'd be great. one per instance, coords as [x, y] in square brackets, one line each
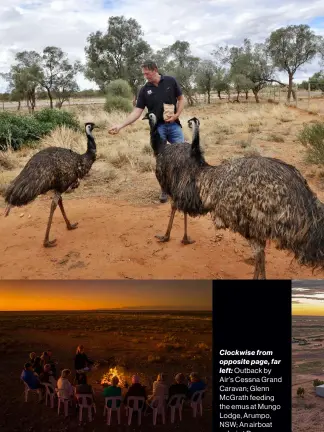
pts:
[115, 240]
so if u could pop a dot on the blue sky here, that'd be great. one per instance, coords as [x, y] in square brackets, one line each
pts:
[317, 22]
[35, 24]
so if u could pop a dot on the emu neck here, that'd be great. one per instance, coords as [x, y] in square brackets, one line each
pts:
[156, 142]
[91, 145]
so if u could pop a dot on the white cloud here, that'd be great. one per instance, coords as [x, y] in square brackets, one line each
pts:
[34, 24]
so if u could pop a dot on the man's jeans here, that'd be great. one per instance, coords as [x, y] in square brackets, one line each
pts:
[172, 132]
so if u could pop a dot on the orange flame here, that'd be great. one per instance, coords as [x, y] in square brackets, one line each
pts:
[106, 378]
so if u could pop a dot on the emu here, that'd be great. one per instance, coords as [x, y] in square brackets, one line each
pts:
[54, 168]
[261, 198]
[176, 165]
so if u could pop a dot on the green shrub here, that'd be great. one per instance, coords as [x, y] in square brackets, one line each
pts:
[118, 103]
[57, 117]
[119, 87]
[300, 392]
[17, 130]
[312, 137]
[317, 382]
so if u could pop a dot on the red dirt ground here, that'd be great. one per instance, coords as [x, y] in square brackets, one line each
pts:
[115, 240]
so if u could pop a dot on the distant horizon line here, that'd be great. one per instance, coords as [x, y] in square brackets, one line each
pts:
[313, 315]
[107, 309]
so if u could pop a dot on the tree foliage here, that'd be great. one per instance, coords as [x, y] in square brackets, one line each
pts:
[249, 66]
[291, 47]
[118, 53]
[180, 63]
[205, 77]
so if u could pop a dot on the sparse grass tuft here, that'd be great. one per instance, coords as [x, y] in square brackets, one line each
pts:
[275, 138]
[313, 109]
[7, 160]
[202, 346]
[312, 137]
[154, 359]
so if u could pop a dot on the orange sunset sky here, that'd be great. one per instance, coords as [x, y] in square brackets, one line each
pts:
[76, 295]
[308, 297]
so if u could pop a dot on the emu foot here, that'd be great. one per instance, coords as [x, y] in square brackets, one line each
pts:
[163, 238]
[187, 240]
[72, 226]
[49, 243]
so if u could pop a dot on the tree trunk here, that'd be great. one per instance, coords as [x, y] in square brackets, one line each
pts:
[19, 106]
[28, 105]
[290, 89]
[33, 103]
[255, 92]
[208, 96]
[190, 99]
[238, 95]
[219, 94]
[247, 94]
[50, 97]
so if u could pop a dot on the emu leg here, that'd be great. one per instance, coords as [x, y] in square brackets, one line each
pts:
[47, 242]
[7, 211]
[166, 236]
[186, 240]
[68, 223]
[259, 256]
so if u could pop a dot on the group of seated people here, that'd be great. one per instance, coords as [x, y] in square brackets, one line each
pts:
[40, 370]
[160, 388]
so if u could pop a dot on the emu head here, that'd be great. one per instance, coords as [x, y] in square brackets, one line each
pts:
[193, 121]
[89, 126]
[151, 117]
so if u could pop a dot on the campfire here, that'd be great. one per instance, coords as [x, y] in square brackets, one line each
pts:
[106, 378]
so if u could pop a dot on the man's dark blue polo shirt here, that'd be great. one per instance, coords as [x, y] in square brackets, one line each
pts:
[153, 97]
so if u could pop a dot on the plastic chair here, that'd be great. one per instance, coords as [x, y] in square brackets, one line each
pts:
[50, 393]
[136, 407]
[176, 402]
[113, 407]
[65, 403]
[28, 389]
[62, 400]
[83, 403]
[158, 406]
[196, 402]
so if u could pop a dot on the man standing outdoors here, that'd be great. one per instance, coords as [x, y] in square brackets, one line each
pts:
[158, 90]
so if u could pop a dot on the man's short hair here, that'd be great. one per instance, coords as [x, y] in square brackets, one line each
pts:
[149, 64]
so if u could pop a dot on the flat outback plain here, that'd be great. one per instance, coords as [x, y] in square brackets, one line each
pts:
[129, 342]
[117, 205]
[307, 366]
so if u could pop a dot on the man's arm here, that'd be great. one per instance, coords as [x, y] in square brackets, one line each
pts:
[133, 116]
[180, 105]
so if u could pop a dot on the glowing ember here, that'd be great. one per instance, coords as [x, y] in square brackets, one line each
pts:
[106, 378]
